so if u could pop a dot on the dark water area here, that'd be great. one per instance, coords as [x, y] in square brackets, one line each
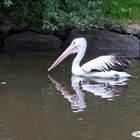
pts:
[39, 105]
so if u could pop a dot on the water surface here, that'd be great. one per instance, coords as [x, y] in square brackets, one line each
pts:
[37, 105]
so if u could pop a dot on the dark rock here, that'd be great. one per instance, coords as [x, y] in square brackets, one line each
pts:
[8, 27]
[60, 34]
[20, 27]
[23, 25]
[1, 44]
[115, 29]
[66, 27]
[32, 41]
[138, 34]
[34, 29]
[5, 28]
[107, 42]
[100, 28]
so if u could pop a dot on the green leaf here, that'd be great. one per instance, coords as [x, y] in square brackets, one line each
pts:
[8, 3]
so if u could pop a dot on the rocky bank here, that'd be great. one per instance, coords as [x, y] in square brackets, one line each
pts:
[23, 36]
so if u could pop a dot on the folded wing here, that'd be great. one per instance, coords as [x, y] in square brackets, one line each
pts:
[106, 63]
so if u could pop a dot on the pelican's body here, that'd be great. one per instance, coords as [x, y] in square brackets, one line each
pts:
[107, 66]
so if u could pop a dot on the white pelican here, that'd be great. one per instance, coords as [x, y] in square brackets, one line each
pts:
[106, 66]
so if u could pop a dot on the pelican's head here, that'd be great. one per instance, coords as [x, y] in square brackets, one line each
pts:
[78, 44]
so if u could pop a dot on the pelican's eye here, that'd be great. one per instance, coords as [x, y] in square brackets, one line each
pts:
[73, 42]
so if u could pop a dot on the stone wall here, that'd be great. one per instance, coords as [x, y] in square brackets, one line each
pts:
[28, 37]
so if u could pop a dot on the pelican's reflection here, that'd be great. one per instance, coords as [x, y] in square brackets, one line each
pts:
[105, 88]
[76, 100]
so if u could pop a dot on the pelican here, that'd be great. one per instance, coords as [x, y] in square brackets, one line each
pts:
[106, 66]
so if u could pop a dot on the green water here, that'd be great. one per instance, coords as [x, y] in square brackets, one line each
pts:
[37, 105]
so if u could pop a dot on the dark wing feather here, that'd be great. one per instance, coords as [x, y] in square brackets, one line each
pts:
[121, 62]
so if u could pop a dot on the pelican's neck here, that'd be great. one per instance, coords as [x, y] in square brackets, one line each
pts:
[76, 62]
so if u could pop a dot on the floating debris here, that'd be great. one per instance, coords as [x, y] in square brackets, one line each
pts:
[136, 134]
[3, 83]
[80, 119]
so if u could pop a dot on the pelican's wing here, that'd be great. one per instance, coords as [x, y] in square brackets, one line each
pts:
[106, 63]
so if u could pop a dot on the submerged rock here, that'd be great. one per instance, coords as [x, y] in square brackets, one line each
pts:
[32, 41]
[107, 41]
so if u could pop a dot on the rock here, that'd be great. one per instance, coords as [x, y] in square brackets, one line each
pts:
[104, 41]
[131, 29]
[32, 41]
[138, 34]
[115, 29]
[8, 27]
[5, 27]
[60, 34]
[34, 28]
[20, 27]
[1, 41]
[23, 25]
[1, 44]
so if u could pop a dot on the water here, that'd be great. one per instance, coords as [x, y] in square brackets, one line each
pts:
[37, 105]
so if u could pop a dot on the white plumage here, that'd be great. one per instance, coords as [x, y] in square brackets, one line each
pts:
[106, 66]
[101, 63]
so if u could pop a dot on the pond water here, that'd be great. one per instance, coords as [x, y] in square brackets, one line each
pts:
[39, 105]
